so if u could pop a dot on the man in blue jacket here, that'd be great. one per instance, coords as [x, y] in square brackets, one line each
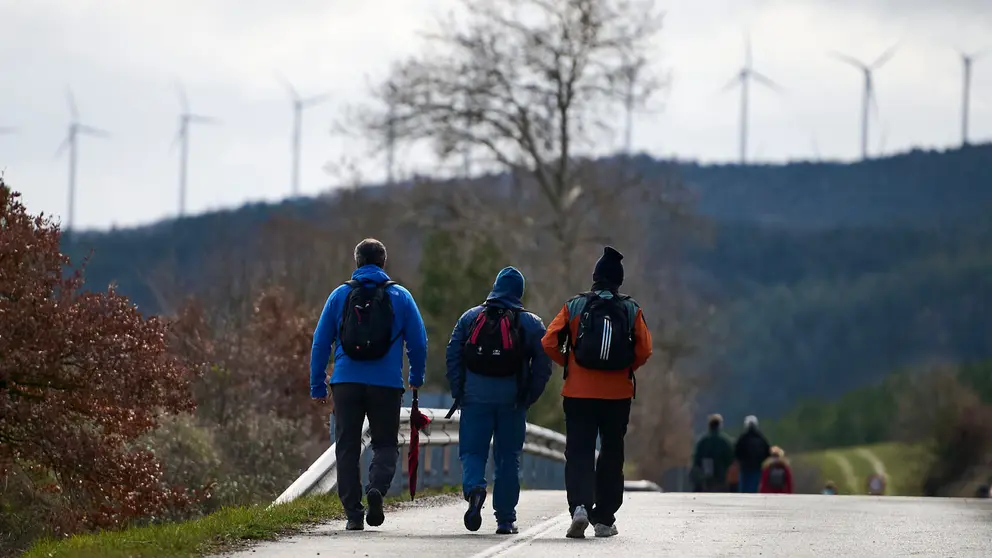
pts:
[367, 320]
[497, 369]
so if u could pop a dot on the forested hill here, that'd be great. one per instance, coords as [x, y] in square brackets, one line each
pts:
[827, 275]
[915, 186]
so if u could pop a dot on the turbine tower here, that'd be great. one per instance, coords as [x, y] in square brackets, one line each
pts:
[182, 137]
[299, 104]
[744, 75]
[71, 143]
[868, 101]
[967, 60]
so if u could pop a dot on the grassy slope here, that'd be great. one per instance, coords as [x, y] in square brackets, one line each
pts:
[225, 529]
[904, 466]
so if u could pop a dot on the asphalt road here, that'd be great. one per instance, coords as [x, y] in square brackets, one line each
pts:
[653, 524]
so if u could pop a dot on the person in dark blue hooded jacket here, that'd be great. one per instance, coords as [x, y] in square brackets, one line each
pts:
[494, 404]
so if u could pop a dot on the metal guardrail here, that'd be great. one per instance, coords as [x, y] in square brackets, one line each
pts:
[321, 477]
[544, 444]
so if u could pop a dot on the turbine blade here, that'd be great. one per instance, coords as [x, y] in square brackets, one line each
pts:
[175, 140]
[316, 99]
[734, 82]
[183, 100]
[288, 86]
[885, 57]
[63, 146]
[71, 102]
[849, 60]
[91, 131]
[766, 81]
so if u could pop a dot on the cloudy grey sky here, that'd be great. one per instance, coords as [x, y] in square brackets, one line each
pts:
[122, 58]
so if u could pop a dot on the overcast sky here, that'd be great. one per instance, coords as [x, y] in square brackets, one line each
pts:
[122, 58]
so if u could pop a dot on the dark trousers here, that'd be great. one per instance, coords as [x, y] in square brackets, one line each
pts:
[352, 404]
[595, 483]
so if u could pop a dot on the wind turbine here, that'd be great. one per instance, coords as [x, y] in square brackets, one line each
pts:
[744, 75]
[182, 137]
[967, 60]
[868, 101]
[71, 142]
[299, 104]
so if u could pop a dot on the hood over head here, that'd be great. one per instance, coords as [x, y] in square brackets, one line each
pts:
[508, 288]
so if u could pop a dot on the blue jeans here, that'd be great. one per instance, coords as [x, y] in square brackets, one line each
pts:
[749, 481]
[505, 426]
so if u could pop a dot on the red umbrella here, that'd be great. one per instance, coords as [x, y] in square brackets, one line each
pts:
[418, 422]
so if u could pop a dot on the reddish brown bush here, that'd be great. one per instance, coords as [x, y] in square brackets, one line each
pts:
[82, 376]
[258, 362]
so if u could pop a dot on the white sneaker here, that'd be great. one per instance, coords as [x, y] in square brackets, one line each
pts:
[580, 521]
[606, 530]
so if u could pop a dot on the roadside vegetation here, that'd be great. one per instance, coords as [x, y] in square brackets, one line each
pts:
[903, 465]
[226, 529]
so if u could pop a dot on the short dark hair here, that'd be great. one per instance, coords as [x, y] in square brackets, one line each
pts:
[715, 421]
[370, 252]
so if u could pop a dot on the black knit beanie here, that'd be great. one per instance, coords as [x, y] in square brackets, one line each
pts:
[609, 269]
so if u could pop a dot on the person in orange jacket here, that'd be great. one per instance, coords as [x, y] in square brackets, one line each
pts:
[600, 338]
[776, 474]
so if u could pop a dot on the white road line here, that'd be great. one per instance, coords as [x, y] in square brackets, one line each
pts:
[527, 536]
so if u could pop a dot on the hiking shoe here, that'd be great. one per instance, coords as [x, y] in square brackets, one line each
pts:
[375, 516]
[605, 530]
[354, 525]
[580, 521]
[507, 529]
[473, 516]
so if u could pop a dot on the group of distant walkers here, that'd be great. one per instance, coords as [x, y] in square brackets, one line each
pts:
[749, 465]
[498, 363]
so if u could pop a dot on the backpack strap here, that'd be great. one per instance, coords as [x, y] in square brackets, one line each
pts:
[575, 306]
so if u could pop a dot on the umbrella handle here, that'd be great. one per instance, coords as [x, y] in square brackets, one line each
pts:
[416, 396]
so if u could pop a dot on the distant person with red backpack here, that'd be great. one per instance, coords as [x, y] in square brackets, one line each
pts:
[601, 339]
[366, 322]
[776, 474]
[497, 369]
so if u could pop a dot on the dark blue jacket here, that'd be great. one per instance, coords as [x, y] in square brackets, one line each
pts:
[387, 371]
[469, 388]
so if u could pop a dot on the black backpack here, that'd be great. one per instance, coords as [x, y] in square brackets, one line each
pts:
[495, 344]
[605, 338]
[367, 322]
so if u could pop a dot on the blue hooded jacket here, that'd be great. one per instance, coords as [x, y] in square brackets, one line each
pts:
[469, 388]
[408, 328]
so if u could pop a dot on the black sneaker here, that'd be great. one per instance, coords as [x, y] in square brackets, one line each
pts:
[375, 515]
[507, 528]
[473, 516]
[355, 525]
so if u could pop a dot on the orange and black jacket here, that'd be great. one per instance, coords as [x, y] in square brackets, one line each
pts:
[582, 383]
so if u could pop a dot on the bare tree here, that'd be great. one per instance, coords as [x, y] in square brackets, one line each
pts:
[532, 84]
